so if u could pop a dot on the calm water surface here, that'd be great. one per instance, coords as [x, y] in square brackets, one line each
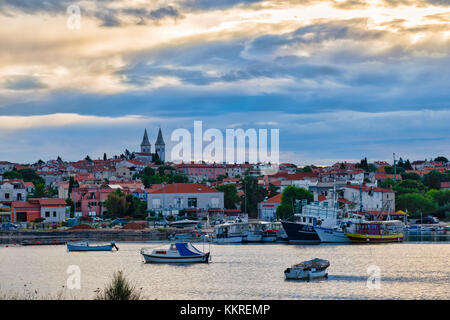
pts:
[408, 271]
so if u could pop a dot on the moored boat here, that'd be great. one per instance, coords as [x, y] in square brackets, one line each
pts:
[181, 252]
[331, 235]
[85, 246]
[269, 232]
[308, 270]
[228, 233]
[377, 232]
[253, 232]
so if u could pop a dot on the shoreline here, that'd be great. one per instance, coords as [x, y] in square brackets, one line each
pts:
[61, 236]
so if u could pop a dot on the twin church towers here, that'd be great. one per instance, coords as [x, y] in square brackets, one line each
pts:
[160, 146]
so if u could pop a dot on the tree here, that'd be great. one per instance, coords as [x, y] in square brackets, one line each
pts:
[307, 169]
[410, 176]
[273, 190]
[231, 198]
[178, 178]
[432, 179]
[372, 168]
[253, 194]
[116, 204]
[105, 157]
[416, 204]
[135, 207]
[387, 183]
[148, 171]
[13, 174]
[363, 164]
[40, 192]
[71, 204]
[59, 159]
[284, 211]
[390, 170]
[441, 158]
[162, 169]
[409, 186]
[292, 193]
[88, 158]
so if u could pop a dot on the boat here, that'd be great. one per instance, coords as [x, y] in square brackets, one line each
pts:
[84, 246]
[180, 252]
[331, 235]
[193, 236]
[228, 233]
[377, 232]
[269, 232]
[307, 270]
[183, 223]
[301, 230]
[43, 242]
[253, 232]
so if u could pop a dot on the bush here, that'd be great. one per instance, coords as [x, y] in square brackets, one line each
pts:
[119, 289]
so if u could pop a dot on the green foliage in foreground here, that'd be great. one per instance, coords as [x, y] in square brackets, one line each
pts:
[120, 288]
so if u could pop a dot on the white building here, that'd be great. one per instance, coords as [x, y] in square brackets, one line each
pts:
[373, 198]
[179, 196]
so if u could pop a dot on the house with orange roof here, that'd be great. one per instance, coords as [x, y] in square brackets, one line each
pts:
[267, 209]
[52, 210]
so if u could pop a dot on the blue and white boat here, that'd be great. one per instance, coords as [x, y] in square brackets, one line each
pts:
[84, 246]
[182, 252]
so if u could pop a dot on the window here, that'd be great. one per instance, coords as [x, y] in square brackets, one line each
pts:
[192, 202]
[54, 214]
[215, 202]
[47, 214]
[6, 195]
[156, 203]
[19, 197]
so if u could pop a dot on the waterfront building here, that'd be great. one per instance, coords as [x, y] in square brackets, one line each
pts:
[52, 210]
[267, 210]
[89, 199]
[373, 198]
[198, 198]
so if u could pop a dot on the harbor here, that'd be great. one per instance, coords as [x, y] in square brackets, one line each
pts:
[408, 270]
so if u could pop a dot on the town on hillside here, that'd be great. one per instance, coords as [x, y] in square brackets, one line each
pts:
[142, 186]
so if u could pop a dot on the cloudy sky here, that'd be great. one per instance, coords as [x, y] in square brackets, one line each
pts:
[341, 79]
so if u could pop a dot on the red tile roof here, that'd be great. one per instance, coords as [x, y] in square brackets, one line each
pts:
[366, 188]
[275, 199]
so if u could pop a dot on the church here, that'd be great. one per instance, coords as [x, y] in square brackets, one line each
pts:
[146, 154]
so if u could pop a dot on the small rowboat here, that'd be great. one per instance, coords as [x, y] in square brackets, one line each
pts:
[177, 253]
[308, 270]
[84, 246]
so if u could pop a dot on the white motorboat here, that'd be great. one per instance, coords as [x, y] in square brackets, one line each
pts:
[254, 232]
[269, 232]
[333, 235]
[308, 270]
[177, 253]
[228, 233]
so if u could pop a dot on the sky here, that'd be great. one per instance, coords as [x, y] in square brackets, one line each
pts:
[341, 79]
